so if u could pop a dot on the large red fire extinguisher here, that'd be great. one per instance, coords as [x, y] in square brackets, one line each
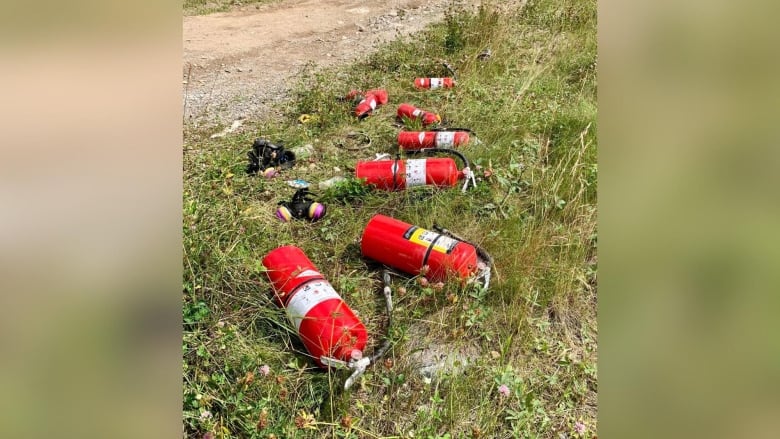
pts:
[434, 83]
[401, 174]
[417, 140]
[409, 111]
[324, 322]
[394, 175]
[368, 101]
[409, 248]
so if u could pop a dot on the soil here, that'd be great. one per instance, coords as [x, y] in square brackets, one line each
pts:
[237, 64]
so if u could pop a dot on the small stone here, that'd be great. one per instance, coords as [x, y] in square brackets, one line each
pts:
[361, 28]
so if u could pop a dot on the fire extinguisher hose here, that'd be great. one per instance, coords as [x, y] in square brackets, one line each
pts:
[359, 365]
[467, 173]
[484, 256]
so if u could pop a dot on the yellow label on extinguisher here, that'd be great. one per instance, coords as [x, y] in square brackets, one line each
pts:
[441, 244]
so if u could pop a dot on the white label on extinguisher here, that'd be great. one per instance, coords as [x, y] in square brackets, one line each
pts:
[421, 137]
[436, 82]
[415, 172]
[445, 138]
[306, 298]
[371, 103]
[308, 273]
[417, 112]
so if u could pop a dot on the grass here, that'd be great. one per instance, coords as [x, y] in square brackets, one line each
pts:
[533, 106]
[202, 7]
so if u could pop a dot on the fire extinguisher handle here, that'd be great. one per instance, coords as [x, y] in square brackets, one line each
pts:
[359, 368]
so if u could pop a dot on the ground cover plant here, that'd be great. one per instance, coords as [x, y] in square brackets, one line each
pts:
[523, 352]
[200, 7]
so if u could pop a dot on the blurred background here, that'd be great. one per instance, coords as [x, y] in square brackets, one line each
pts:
[90, 219]
[689, 215]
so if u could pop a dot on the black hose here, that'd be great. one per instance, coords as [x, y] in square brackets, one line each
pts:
[448, 151]
[379, 353]
[480, 251]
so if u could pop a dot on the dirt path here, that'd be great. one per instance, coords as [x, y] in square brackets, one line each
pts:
[236, 64]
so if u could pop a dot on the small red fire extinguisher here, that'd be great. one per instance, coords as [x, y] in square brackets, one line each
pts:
[410, 248]
[417, 140]
[325, 324]
[393, 175]
[434, 83]
[368, 101]
[409, 111]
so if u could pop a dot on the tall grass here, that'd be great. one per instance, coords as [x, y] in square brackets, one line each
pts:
[532, 104]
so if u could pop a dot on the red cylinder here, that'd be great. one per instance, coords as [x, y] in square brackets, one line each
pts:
[408, 248]
[371, 99]
[409, 111]
[416, 140]
[325, 324]
[434, 83]
[400, 174]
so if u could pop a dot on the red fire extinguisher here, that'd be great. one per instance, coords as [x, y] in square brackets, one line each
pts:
[417, 140]
[368, 101]
[393, 175]
[400, 174]
[434, 83]
[409, 248]
[325, 324]
[409, 111]
[329, 329]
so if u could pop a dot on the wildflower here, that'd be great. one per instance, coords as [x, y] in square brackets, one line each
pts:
[305, 420]
[579, 427]
[503, 390]
[438, 286]
[208, 435]
[423, 281]
[263, 421]
[205, 415]
[265, 370]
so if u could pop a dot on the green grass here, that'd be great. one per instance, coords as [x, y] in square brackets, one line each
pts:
[533, 106]
[202, 7]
